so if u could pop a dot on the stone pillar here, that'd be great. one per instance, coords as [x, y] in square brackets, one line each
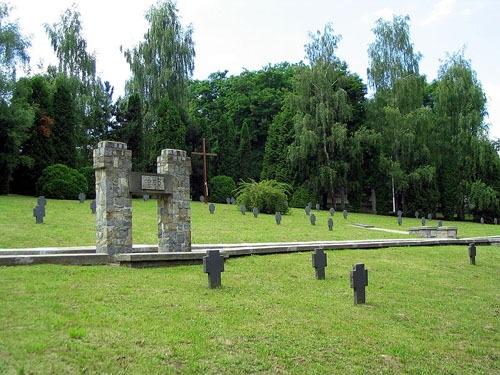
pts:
[112, 164]
[174, 212]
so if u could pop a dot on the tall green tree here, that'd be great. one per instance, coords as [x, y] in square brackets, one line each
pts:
[244, 153]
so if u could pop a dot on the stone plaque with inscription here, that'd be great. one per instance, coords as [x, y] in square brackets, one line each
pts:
[150, 183]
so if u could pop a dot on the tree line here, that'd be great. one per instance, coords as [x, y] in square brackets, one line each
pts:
[411, 145]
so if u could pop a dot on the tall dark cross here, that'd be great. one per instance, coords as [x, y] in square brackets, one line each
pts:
[472, 254]
[204, 153]
[213, 264]
[359, 280]
[319, 263]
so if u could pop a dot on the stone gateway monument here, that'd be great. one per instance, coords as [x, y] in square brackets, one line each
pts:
[115, 184]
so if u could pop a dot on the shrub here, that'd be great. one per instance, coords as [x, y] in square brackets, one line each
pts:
[89, 174]
[302, 196]
[269, 196]
[220, 188]
[61, 182]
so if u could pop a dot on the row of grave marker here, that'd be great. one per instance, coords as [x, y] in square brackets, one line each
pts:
[213, 265]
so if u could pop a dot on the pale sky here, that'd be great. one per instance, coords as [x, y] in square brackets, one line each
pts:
[237, 34]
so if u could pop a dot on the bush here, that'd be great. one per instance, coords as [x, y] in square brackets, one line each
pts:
[302, 196]
[89, 174]
[220, 188]
[61, 182]
[269, 196]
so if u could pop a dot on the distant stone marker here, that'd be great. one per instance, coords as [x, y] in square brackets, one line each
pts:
[202, 199]
[482, 220]
[228, 200]
[429, 216]
[472, 254]
[308, 210]
[39, 213]
[359, 280]
[213, 264]
[93, 206]
[345, 214]
[243, 209]
[211, 208]
[330, 224]
[423, 221]
[495, 221]
[277, 216]
[332, 211]
[313, 219]
[318, 207]
[233, 200]
[319, 262]
[416, 214]
[145, 197]
[440, 223]
[81, 197]
[255, 212]
[400, 220]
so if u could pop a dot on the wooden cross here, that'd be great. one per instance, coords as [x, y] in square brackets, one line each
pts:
[359, 280]
[319, 263]
[204, 154]
[213, 264]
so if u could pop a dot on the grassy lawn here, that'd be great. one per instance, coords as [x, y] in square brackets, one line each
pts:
[428, 312]
[70, 223]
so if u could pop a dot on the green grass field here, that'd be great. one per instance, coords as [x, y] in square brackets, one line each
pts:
[70, 223]
[428, 312]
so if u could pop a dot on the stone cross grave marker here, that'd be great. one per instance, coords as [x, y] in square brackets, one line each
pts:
[255, 212]
[81, 197]
[145, 197]
[313, 219]
[440, 223]
[202, 199]
[308, 210]
[233, 200]
[228, 200]
[345, 214]
[332, 211]
[472, 254]
[211, 208]
[482, 220]
[495, 221]
[318, 207]
[330, 224]
[277, 216]
[416, 214]
[423, 221]
[400, 220]
[243, 209]
[39, 213]
[359, 280]
[93, 206]
[213, 264]
[429, 217]
[319, 262]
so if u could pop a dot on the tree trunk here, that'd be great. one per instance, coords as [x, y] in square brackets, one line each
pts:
[374, 202]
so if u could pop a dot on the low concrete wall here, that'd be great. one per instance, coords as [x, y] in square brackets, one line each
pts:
[434, 232]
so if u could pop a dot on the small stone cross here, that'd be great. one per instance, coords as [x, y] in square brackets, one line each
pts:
[39, 213]
[319, 262]
[318, 207]
[332, 211]
[233, 200]
[330, 224]
[440, 223]
[495, 221]
[345, 214]
[429, 216]
[255, 212]
[243, 209]
[213, 264]
[277, 216]
[482, 220]
[400, 220]
[93, 206]
[211, 208]
[472, 254]
[313, 219]
[359, 280]
[81, 197]
[228, 200]
[416, 214]
[145, 197]
[423, 221]
[202, 198]
[308, 210]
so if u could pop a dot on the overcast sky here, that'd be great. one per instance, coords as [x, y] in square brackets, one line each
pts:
[238, 34]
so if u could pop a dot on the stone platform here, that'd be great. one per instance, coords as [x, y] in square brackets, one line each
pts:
[148, 256]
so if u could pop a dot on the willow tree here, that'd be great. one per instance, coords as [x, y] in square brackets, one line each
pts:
[163, 62]
[324, 142]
